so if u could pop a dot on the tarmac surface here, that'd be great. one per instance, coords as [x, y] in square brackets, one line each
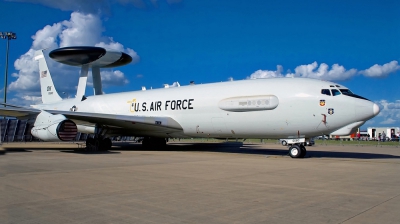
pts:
[200, 183]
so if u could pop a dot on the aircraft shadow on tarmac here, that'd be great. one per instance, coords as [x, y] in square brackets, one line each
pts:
[89, 152]
[241, 148]
[234, 147]
[63, 150]
[12, 150]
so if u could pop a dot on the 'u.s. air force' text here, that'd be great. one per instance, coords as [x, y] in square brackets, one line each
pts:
[186, 104]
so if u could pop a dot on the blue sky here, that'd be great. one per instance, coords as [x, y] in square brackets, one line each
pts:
[354, 43]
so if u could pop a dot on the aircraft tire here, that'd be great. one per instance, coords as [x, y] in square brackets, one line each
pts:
[303, 151]
[295, 151]
[146, 142]
[108, 143]
[90, 143]
[154, 142]
[284, 143]
[105, 144]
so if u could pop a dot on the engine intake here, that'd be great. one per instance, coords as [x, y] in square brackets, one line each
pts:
[66, 130]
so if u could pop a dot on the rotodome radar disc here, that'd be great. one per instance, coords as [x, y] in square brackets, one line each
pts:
[94, 56]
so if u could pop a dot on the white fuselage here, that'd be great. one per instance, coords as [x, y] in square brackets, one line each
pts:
[260, 108]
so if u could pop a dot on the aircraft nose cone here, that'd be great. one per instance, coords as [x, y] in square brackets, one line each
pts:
[365, 109]
[376, 109]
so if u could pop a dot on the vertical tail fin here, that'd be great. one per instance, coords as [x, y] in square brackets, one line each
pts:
[48, 90]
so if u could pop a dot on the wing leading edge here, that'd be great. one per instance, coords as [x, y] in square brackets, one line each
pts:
[19, 112]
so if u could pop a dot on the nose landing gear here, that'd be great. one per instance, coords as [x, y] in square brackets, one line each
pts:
[297, 151]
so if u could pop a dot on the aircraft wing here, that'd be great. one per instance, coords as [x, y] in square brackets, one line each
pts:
[122, 124]
[129, 124]
[19, 112]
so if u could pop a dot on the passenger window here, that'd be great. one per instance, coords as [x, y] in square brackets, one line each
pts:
[326, 92]
[335, 92]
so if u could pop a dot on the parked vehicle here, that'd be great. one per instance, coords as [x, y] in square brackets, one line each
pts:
[322, 137]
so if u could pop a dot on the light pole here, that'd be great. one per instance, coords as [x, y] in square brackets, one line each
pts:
[9, 36]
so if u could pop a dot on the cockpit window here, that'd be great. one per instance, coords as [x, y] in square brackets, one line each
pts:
[335, 92]
[326, 92]
[337, 86]
[346, 91]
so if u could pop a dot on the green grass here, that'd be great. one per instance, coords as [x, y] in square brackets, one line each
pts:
[368, 143]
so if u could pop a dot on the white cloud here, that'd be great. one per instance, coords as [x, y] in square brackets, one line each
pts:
[35, 99]
[28, 75]
[388, 121]
[390, 112]
[370, 122]
[80, 29]
[47, 37]
[119, 47]
[334, 73]
[267, 74]
[21, 99]
[115, 78]
[378, 71]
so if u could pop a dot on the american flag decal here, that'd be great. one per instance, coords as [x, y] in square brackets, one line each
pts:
[43, 74]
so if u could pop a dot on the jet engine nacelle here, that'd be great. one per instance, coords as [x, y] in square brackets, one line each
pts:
[50, 127]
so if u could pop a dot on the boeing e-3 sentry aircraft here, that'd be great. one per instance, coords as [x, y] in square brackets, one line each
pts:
[294, 108]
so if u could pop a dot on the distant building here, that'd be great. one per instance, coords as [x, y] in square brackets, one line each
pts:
[390, 132]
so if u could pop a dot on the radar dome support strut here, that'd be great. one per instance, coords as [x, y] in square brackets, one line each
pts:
[82, 82]
[90, 57]
[97, 85]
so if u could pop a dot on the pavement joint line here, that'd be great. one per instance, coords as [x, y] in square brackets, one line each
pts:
[383, 202]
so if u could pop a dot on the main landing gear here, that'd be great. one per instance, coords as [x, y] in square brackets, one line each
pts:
[297, 151]
[98, 144]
